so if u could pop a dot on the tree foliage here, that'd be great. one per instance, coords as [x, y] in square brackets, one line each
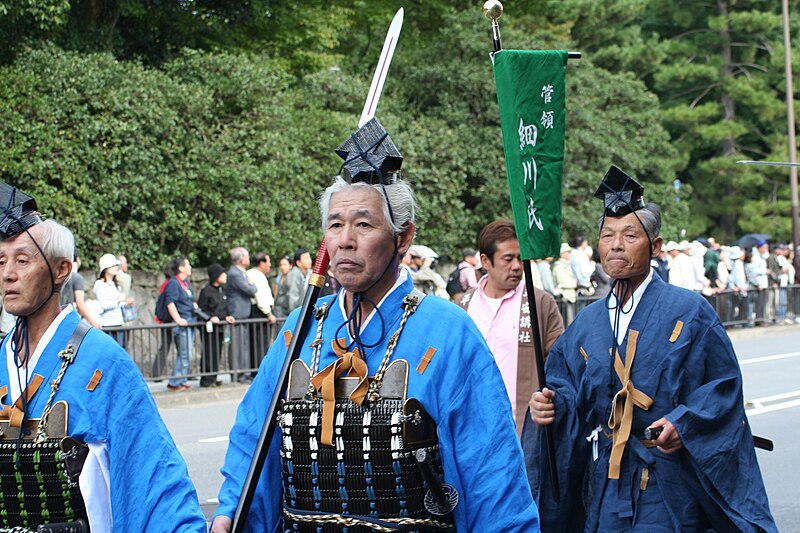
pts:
[718, 71]
[152, 127]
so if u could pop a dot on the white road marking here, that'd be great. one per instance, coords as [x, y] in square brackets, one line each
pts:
[767, 358]
[776, 397]
[214, 439]
[771, 408]
[212, 500]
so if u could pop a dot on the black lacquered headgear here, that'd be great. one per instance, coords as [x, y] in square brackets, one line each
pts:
[370, 156]
[621, 194]
[18, 211]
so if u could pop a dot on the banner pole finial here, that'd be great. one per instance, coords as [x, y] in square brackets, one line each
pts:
[493, 10]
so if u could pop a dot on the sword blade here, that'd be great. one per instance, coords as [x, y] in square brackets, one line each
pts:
[374, 95]
[770, 163]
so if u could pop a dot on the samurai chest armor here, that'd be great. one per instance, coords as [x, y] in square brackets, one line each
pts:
[358, 456]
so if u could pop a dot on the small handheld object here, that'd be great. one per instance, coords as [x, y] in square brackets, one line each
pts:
[652, 433]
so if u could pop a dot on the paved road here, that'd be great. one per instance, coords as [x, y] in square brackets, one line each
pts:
[770, 361]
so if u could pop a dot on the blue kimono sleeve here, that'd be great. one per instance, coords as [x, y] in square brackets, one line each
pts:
[489, 466]
[150, 485]
[716, 434]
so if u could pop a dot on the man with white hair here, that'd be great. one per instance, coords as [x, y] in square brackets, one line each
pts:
[239, 290]
[345, 460]
[122, 470]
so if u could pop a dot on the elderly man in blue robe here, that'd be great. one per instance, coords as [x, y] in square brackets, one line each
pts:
[65, 382]
[645, 397]
[344, 466]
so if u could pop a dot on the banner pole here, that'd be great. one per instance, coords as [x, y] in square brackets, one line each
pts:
[538, 352]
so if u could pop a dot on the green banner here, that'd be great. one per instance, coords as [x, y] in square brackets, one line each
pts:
[531, 92]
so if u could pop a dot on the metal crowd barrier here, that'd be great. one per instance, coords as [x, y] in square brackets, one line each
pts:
[153, 349]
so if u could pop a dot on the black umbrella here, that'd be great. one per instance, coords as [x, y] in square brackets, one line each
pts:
[750, 240]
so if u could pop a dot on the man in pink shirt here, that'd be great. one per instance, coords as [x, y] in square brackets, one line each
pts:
[499, 307]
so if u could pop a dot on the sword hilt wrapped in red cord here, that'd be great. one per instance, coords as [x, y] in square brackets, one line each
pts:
[320, 266]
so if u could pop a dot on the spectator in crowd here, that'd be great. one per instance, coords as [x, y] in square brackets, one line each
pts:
[124, 282]
[467, 269]
[544, 266]
[79, 292]
[737, 284]
[278, 292]
[212, 302]
[582, 268]
[681, 271]
[111, 298]
[723, 270]
[424, 276]
[297, 279]
[123, 278]
[711, 260]
[261, 306]
[751, 269]
[160, 359]
[773, 281]
[565, 281]
[782, 268]
[701, 282]
[758, 278]
[239, 291]
[673, 249]
[181, 306]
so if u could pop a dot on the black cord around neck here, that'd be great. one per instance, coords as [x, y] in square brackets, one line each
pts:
[618, 286]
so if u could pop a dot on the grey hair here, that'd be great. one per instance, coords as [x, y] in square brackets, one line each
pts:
[650, 218]
[399, 195]
[57, 241]
[237, 254]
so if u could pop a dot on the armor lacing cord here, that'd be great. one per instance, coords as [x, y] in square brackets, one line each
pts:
[621, 418]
